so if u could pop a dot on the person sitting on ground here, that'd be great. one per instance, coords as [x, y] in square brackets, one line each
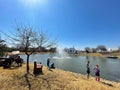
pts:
[19, 61]
[52, 66]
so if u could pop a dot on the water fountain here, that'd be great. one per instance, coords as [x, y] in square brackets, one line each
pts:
[61, 54]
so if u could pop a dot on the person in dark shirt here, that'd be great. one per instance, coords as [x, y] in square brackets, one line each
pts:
[48, 62]
[88, 69]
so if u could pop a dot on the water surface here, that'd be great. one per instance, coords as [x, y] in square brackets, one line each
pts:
[110, 68]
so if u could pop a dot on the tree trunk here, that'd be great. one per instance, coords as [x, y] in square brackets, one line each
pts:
[27, 63]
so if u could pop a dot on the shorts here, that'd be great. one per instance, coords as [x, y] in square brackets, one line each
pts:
[97, 74]
[88, 71]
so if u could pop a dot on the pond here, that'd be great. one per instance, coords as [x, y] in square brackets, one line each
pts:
[110, 68]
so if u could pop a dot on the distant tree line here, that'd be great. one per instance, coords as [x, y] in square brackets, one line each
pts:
[4, 48]
[40, 49]
[100, 49]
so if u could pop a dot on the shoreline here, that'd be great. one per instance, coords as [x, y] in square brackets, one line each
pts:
[91, 77]
[81, 74]
[51, 80]
[104, 55]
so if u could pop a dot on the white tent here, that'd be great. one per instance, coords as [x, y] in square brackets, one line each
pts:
[15, 52]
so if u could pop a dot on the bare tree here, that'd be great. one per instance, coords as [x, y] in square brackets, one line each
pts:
[101, 48]
[31, 40]
[88, 50]
[94, 50]
[2, 47]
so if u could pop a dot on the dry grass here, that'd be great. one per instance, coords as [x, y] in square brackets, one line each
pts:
[100, 54]
[116, 54]
[17, 79]
[92, 54]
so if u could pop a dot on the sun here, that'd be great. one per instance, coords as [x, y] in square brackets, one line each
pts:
[32, 3]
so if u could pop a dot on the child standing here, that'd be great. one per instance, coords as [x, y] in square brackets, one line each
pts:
[97, 73]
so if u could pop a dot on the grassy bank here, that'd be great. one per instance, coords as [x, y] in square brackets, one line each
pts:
[100, 54]
[92, 54]
[17, 79]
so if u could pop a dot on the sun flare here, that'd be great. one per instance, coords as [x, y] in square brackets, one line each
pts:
[32, 3]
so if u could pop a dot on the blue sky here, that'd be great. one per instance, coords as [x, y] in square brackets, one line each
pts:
[79, 23]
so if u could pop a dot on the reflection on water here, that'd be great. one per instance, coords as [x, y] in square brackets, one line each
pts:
[109, 67]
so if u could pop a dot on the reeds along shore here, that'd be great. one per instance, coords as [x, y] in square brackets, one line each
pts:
[16, 79]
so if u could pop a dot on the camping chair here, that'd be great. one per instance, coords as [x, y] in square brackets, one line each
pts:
[37, 68]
